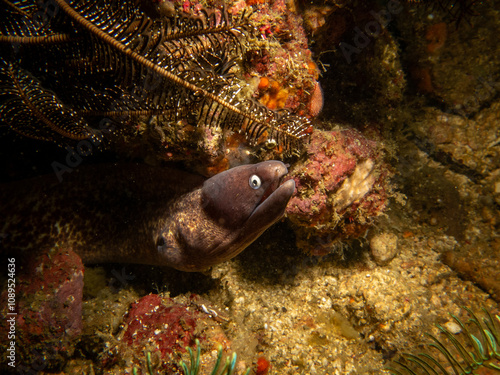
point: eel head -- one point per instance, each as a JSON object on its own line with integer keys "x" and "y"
{"x": 227, "y": 214}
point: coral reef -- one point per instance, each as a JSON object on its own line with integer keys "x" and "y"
{"x": 341, "y": 187}
{"x": 167, "y": 329}
{"x": 423, "y": 93}
{"x": 277, "y": 69}
{"x": 281, "y": 65}
{"x": 456, "y": 190}
{"x": 176, "y": 104}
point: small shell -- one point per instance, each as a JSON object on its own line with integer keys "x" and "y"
{"x": 315, "y": 104}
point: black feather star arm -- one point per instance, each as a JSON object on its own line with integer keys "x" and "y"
{"x": 120, "y": 60}
{"x": 176, "y": 51}
{"x": 29, "y": 109}
{"x": 25, "y": 22}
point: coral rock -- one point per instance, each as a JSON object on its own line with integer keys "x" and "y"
{"x": 436, "y": 37}
{"x": 383, "y": 247}
{"x": 341, "y": 187}
{"x": 165, "y": 328}
{"x": 49, "y": 309}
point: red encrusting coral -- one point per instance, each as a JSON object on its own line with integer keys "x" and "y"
{"x": 167, "y": 328}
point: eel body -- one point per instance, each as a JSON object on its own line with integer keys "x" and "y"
{"x": 140, "y": 214}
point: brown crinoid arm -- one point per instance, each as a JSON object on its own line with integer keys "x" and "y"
{"x": 188, "y": 55}
{"x": 35, "y": 112}
{"x": 91, "y": 59}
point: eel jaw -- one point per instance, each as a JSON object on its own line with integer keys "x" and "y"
{"x": 272, "y": 206}
{"x": 273, "y": 187}
{"x": 264, "y": 215}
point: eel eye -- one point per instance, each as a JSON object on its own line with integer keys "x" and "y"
{"x": 254, "y": 182}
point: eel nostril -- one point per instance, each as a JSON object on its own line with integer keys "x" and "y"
{"x": 160, "y": 242}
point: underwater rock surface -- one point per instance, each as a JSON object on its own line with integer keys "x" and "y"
{"x": 48, "y": 310}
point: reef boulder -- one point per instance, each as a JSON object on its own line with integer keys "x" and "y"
{"x": 342, "y": 185}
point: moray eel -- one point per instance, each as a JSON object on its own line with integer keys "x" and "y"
{"x": 140, "y": 214}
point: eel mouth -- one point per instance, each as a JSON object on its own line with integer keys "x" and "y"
{"x": 276, "y": 185}
{"x": 273, "y": 204}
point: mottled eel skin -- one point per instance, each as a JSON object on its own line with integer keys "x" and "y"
{"x": 140, "y": 214}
